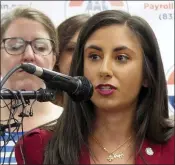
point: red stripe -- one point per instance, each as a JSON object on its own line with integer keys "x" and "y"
{"x": 171, "y": 79}
{"x": 75, "y": 3}
{"x": 117, "y": 3}
{"x": 79, "y": 3}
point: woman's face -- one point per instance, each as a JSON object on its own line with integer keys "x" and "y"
{"x": 113, "y": 63}
{"x": 27, "y": 30}
{"x": 66, "y": 56}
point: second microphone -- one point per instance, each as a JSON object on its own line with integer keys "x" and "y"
{"x": 78, "y": 88}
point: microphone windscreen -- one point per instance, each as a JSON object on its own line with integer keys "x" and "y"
{"x": 84, "y": 92}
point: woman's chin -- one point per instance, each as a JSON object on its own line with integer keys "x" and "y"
{"x": 27, "y": 85}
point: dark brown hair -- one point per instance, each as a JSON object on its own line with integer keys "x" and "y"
{"x": 65, "y": 32}
{"x": 151, "y": 116}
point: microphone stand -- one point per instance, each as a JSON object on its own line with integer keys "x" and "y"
{"x": 41, "y": 95}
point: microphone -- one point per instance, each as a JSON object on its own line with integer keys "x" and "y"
{"x": 3, "y": 127}
{"x": 78, "y": 88}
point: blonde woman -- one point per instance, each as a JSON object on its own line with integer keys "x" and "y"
{"x": 28, "y": 35}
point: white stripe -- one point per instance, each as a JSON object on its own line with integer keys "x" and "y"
{"x": 11, "y": 163}
{"x": 10, "y": 143}
{"x": 170, "y": 90}
{"x": 7, "y": 154}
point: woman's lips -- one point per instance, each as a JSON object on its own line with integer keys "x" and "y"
{"x": 105, "y": 89}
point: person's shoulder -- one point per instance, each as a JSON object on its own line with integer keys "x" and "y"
{"x": 167, "y": 152}
{"x": 32, "y": 145}
{"x": 37, "y": 135}
{"x": 158, "y": 153}
{"x": 169, "y": 145}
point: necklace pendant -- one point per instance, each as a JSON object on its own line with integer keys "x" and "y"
{"x": 110, "y": 158}
{"x": 120, "y": 155}
{"x": 113, "y": 156}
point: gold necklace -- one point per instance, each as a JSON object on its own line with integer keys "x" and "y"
{"x": 112, "y": 155}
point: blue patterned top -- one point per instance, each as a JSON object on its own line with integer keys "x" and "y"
{"x": 7, "y": 151}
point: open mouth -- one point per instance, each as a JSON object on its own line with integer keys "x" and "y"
{"x": 105, "y": 89}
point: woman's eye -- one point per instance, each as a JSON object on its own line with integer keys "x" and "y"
{"x": 41, "y": 48}
{"x": 122, "y": 58}
{"x": 94, "y": 57}
{"x": 15, "y": 46}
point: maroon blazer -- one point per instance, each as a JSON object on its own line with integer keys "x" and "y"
{"x": 34, "y": 144}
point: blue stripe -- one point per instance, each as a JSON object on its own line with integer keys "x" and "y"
{"x": 172, "y": 101}
{"x": 15, "y": 136}
{"x": 13, "y": 160}
{"x": 7, "y": 148}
